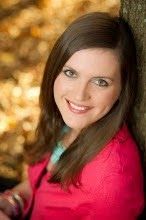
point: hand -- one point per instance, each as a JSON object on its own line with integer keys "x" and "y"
{"x": 3, "y": 216}
{"x": 6, "y": 208}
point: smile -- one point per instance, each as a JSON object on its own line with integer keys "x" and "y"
{"x": 77, "y": 108}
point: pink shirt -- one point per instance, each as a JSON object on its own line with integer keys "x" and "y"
{"x": 112, "y": 186}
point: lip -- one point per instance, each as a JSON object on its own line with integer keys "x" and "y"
{"x": 77, "y": 108}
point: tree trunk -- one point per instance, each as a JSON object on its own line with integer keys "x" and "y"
{"x": 135, "y": 13}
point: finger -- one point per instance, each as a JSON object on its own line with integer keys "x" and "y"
{"x": 3, "y": 216}
{"x": 2, "y": 203}
{"x": 6, "y": 206}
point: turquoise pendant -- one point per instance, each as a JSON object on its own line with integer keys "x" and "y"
{"x": 59, "y": 149}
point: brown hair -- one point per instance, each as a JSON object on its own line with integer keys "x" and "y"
{"x": 93, "y": 30}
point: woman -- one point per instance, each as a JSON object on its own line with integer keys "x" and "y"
{"x": 84, "y": 163}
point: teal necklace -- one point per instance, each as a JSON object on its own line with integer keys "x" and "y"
{"x": 59, "y": 149}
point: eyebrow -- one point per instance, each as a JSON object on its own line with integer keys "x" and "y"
{"x": 71, "y": 68}
{"x": 95, "y": 77}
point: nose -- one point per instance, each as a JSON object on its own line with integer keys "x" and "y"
{"x": 82, "y": 92}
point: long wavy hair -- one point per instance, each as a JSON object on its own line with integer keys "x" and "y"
{"x": 93, "y": 30}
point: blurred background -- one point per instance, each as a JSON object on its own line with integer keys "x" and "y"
{"x": 28, "y": 30}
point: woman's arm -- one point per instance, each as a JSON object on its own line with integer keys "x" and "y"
{"x": 3, "y": 216}
{"x": 24, "y": 189}
{"x": 12, "y": 201}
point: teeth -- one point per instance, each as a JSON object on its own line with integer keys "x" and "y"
{"x": 78, "y": 107}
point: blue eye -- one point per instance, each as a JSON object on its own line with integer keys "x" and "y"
{"x": 101, "y": 83}
{"x": 69, "y": 73}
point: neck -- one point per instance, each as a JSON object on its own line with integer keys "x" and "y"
{"x": 69, "y": 137}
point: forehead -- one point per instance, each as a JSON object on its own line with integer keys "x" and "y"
{"x": 95, "y": 60}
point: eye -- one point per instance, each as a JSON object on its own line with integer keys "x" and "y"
{"x": 101, "y": 82}
{"x": 69, "y": 73}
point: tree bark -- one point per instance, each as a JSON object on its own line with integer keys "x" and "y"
{"x": 135, "y": 13}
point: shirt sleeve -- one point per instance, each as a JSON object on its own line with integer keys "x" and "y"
{"x": 120, "y": 194}
{"x": 35, "y": 172}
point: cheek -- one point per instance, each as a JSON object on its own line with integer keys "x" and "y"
{"x": 56, "y": 90}
{"x": 57, "y": 84}
{"x": 111, "y": 99}
{"x": 105, "y": 103}
{"x": 108, "y": 98}
{"x": 61, "y": 86}
{"x": 58, "y": 87}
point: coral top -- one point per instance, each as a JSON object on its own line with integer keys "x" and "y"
{"x": 112, "y": 187}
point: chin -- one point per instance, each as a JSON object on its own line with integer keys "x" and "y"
{"x": 75, "y": 126}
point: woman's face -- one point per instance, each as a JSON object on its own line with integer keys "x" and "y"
{"x": 87, "y": 87}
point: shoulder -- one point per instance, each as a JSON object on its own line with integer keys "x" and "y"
{"x": 121, "y": 152}
{"x": 115, "y": 178}
{"x": 119, "y": 158}
{"x": 124, "y": 152}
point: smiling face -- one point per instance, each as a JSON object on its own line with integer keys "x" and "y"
{"x": 87, "y": 87}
